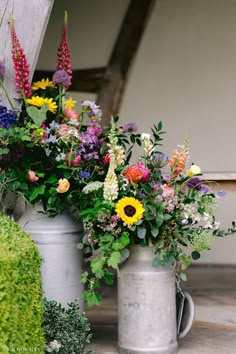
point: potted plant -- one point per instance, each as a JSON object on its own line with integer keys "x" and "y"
{"x": 48, "y": 152}
{"x": 158, "y": 213}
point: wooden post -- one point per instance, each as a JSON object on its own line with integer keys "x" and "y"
{"x": 31, "y": 19}
{"x": 127, "y": 42}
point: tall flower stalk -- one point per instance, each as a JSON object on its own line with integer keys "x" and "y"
{"x": 21, "y": 66}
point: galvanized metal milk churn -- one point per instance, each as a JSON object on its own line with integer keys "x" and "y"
{"x": 62, "y": 264}
{"x": 146, "y": 306}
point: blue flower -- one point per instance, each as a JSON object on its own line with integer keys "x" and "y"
{"x": 7, "y": 117}
{"x": 84, "y": 174}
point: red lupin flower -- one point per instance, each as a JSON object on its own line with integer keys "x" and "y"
{"x": 21, "y": 65}
{"x": 63, "y": 51}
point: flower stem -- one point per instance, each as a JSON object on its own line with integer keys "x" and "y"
{"x": 6, "y": 94}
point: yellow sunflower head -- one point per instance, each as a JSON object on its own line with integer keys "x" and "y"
{"x": 43, "y": 84}
{"x": 130, "y": 210}
{"x": 39, "y": 101}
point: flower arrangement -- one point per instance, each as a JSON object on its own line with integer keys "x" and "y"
{"x": 154, "y": 201}
{"x": 48, "y": 150}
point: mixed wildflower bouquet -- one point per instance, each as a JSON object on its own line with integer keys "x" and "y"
{"x": 48, "y": 150}
{"x": 154, "y": 201}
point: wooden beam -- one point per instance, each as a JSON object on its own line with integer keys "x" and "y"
{"x": 129, "y": 37}
{"x": 31, "y": 18}
{"x": 84, "y": 80}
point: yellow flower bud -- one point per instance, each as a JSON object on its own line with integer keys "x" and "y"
{"x": 63, "y": 185}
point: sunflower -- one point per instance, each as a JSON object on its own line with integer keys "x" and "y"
{"x": 130, "y": 210}
{"x": 43, "y": 84}
{"x": 39, "y": 101}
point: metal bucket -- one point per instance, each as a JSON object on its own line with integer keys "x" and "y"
{"x": 62, "y": 264}
{"x": 146, "y": 306}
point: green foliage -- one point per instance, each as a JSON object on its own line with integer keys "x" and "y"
{"x": 21, "y": 307}
{"x": 66, "y": 329}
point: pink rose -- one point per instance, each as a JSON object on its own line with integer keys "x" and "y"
{"x": 137, "y": 172}
{"x": 32, "y": 176}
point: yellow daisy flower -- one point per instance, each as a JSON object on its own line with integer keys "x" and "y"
{"x": 70, "y": 103}
{"x": 43, "y": 84}
{"x": 39, "y": 101}
{"x": 130, "y": 210}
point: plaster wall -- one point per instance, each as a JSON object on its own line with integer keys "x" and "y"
{"x": 184, "y": 74}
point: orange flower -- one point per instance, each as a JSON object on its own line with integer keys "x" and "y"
{"x": 137, "y": 172}
{"x": 63, "y": 185}
{"x": 178, "y": 160}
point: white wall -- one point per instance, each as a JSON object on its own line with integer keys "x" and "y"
{"x": 184, "y": 74}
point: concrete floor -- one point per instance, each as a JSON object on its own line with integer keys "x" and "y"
{"x": 213, "y": 289}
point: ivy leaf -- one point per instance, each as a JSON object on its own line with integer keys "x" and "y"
{"x": 38, "y": 115}
{"x": 114, "y": 260}
{"x": 52, "y": 179}
{"x": 36, "y": 192}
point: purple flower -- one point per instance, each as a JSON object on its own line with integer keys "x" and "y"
{"x": 60, "y": 77}
{"x": 84, "y": 174}
{"x": 159, "y": 159}
{"x": 93, "y": 109}
{"x": 195, "y": 183}
{"x": 2, "y": 70}
{"x": 7, "y": 117}
{"x": 130, "y": 128}
{"x": 220, "y": 194}
{"x": 204, "y": 189}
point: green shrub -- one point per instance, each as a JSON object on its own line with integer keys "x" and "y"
{"x": 21, "y": 307}
{"x": 66, "y": 329}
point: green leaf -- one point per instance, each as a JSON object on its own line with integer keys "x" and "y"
{"x": 36, "y": 192}
{"x": 92, "y": 298}
{"x": 108, "y": 277}
{"x": 4, "y": 151}
{"x": 124, "y": 254}
{"x": 141, "y": 232}
{"x": 185, "y": 262}
{"x": 183, "y": 276}
{"x": 195, "y": 255}
{"x": 167, "y": 216}
{"x": 155, "y": 262}
{"x": 52, "y": 179}
{"x": 97, "y": 267}
{"x": 114, "y": 260}
{"x": 84, "y": 277}
{"x": 154, "y": 231}
{"x": 38, "y": 115}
